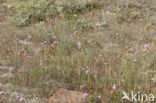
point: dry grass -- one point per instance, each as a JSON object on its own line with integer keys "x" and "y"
{"x": 126, "y": 27}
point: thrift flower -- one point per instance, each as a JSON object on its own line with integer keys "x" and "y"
{"x": 28, "y": 57}
{"x": 85, "y": 95}
{"x": 100, "y": 56}
{"x": 1, "y": 68}
{"x": 56, "y": 43}
{"x": 22, "y": 99}
{"x": 114, "y": 87}
{"x": 29, "y": 37}
{"x": 153, "y": 80}
{"x": 11, "y": 69}
{"x": 145, "y": 46}
{"x": 79, "y": 45}
{"x": 135, "y": 61}
{"x": 2, "y": 92}
{"x": 54, "y": 37}
{"x": 99, "y": 96}
{"x": 87, "y": 71}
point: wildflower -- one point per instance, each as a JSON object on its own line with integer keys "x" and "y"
{"x": 135, "y": 61}
{"x": 141, "y": 20}
{"x": 28, "y": 57}
{"x": 117, "y": 34}
{"x": 82, "y": 86}
{"x": 87, "y": 71}
{"x": 153, "y": 80}
{"x": 90, "y": 0}
{"x": 75, "y": 15}
{"x": 56, "y": 43}
{"x": 145, "y": 46}
{"x": 100, "y": 56}
{"x": 1, "y": 68}
{"x": 114, "y": 87}
{"x": 2, "y": 92}
{"x": 22, "y": 99}
{"x": 94, "y": 43}
{"x": 83, "y": 68}
{"x": 11, "y": 69}
{"x": 29, "y": 37}
{"x": 79, "y": 45}
{"x": 17, "y": 97}
{"x": 41, "y": 64}
{"x": 74, "y": 28}
{"x": 99, "y": 96}
{"x": 97, "y": 24}
{"x": 75, "y": 32}
{"x": 54, "y": 37}
{"x": 118, "y": 56}
{"x": 85, "y": 95}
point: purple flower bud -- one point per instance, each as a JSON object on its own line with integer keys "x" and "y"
{"x": 54, "y": 37}
{"x": 87, "y": 71}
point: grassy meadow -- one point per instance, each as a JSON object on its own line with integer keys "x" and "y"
{"x": 99, "y": 47}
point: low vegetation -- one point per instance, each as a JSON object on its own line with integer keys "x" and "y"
{"x": 101, "y": 48}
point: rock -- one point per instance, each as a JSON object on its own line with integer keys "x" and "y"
{"x": 67, "y": 96}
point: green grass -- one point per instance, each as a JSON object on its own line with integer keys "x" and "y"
{"x": 52, "y": 66}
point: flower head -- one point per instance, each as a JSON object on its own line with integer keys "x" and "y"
{"x": 85, "y": 95}
{"x": 100, "y": 56}
{"x": 54, "y": 37}
{"x": 56, "y": 43}
{"x": 79, "y": 45}
{"x": 145, "y": 46}
{"x": 99, "y": 96}
{"x": 11, "y": 69}
{"x": 2, "y": 92}
{"x": 114, "y": 87}
{"x": 1, "y": 68}
{"x": 87, "y": 71}
{"x": 28, "y": 57}
{"x": 22, "y": 99}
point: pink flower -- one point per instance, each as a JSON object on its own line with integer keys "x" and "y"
{"x": 11, "y": 69}
{"x": 100, "y": 56}
{"x": 29, "y": 37}
{"x": 99, "y": 96}
{"x": 94, "y": 43}
{"x": 97, "y": 24}
{"x": 135, "y": 61}
{"x": 28, "y": 57}
{"x": 87, "y": 71}
{"x": 83, "y": 68}
{"x": 17, "y": 97}
{"x": 75, "y": 32}
{"x": 141, "y": 20}
{"x": 22, "y": 99}
{"x": 54, "y": 37}
{"x": 153, "y": 80}
{"x": 79, "y": 45}
{"x": 56, "y": 43}
{"x": 114, "y": 87}
{"x": 1, "y": 68}
{"x": 118, "y": 56}
{"x": 2, "y": 92}
{"x": 145, "y": 46}
{"x": 85, "y": 95}
{"x": 117, "y": 34}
